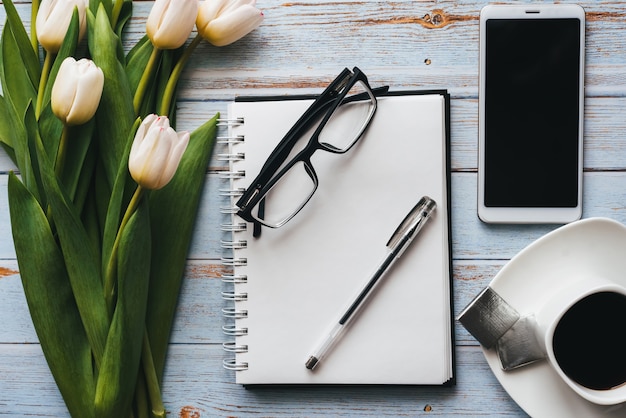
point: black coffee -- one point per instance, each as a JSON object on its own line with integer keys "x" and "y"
{"x": 590, "y": 341}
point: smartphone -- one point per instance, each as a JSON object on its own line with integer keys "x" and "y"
{"x": 531, "y": 99}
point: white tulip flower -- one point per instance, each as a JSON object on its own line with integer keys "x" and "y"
{"x": 222, "y": 22}
{"x": 156, "y": 152}
{"x": 53, "y": 20}
{"x": 170, "y": 22}
{"x": 77, "y": 91}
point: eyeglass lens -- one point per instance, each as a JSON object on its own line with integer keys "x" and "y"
{"x": 348, "y": 122}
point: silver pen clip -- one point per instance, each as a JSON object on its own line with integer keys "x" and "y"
{"x": 413, "y": 221}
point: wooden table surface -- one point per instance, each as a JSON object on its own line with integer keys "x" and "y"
{"x": 299, "y": 48}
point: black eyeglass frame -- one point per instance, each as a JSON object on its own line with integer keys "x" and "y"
{"x": 271, "y": 172}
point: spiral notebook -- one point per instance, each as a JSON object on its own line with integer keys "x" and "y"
{"x": 288, "y": 287}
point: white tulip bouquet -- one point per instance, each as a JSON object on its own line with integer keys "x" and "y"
{"x": 106, "y": 194}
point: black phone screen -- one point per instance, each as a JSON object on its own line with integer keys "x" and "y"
{"x": 532, "y": 112}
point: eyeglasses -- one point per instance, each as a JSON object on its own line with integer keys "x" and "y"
{"x": 334, "y": 122}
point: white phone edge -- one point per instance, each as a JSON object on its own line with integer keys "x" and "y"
{"x": 531, "y": 215}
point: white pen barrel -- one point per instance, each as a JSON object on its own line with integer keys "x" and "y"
{"x": 328, "y": 343}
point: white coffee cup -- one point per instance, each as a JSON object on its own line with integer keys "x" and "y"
{"x": 566, "y": 302}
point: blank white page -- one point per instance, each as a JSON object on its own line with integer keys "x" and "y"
{"x": 303, "y": 276}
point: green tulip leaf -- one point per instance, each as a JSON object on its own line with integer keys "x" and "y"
{"x": 115, "y": 115}
{"x": 80, "y": 160}
{"x": 84, "y": 182}
{"x": 80, "y": 259}
{"x": 68, "y": 48}
{"x": 125, "y": 15}
{"x": 6, "y": 130}
{"x": 171, "y": 240}
{"x": 51, "y": 301}
{"x": 119, "y": 197}
{"x": 106, "y": 4}
{"x": 27, "y": 54}
{"x": 16, "y": 84}
{"x": 169, "y": 61}
{"x": 50, "y": 130}
{"x": 21, "y": 150}
{"x": 34, "y": 184}
{"x": 76, "y": 167}
{"x": 120, "y": 366}
{"x": 137, "y": 60}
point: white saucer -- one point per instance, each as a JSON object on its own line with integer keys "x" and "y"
{"x": 590, "y": 247}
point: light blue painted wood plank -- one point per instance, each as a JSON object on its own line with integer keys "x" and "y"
{"x": 199, "y": 317}
{"x": 196, "y": 383}
{"x": 604, "y": 195}
{"x": 392, "y": 43}
{"x": 304, "y": 44}
{"x": 604, "y": 136}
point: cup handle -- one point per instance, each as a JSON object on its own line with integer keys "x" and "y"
{"x": 496, "y": 324}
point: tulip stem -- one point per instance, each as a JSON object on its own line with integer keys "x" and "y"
{"x": 170, "y": 88}
{"x": 111, "y": 274}
{"x": 61, "y": 152}
{"x": 45, "y": 72}
{"x": 145, "y": 79}
{"x": 154, "y": 391}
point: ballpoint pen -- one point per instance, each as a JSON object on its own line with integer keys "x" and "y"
{"x": 400, "y": 240}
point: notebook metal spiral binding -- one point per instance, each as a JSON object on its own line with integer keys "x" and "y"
{"x": 231, "y": 364}
{"x": 233, "y": 312}
{"x": 234, "y": 278}
{"x": 236, "y": 297}
{"x": 234, "y": 331}
{"x": 234, "y": 245}
{"x": 226, "y": 140}
{"x": 234, "y": 348}
{"x": 238, "y": 156}
{"x": 230, "y": 122}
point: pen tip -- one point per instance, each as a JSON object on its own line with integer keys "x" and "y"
{"x": 311, "y": 362}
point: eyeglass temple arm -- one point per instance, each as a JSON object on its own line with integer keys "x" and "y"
{"x": 325, "y": 99}
{"x": 283, "y": 149}
{"x": 285, "y": 146}
{"x": 378, "y": 91}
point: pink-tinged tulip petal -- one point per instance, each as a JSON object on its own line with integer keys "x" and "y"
{"x": 156, "y": 152}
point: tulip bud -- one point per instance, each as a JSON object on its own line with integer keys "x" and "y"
{"x": 170, "y": 22}
{"x": 222, "y": 22}
{"x": 53, "y": 20}
{"x": 156, "y": 152}
{"x": 76, "y": 91}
